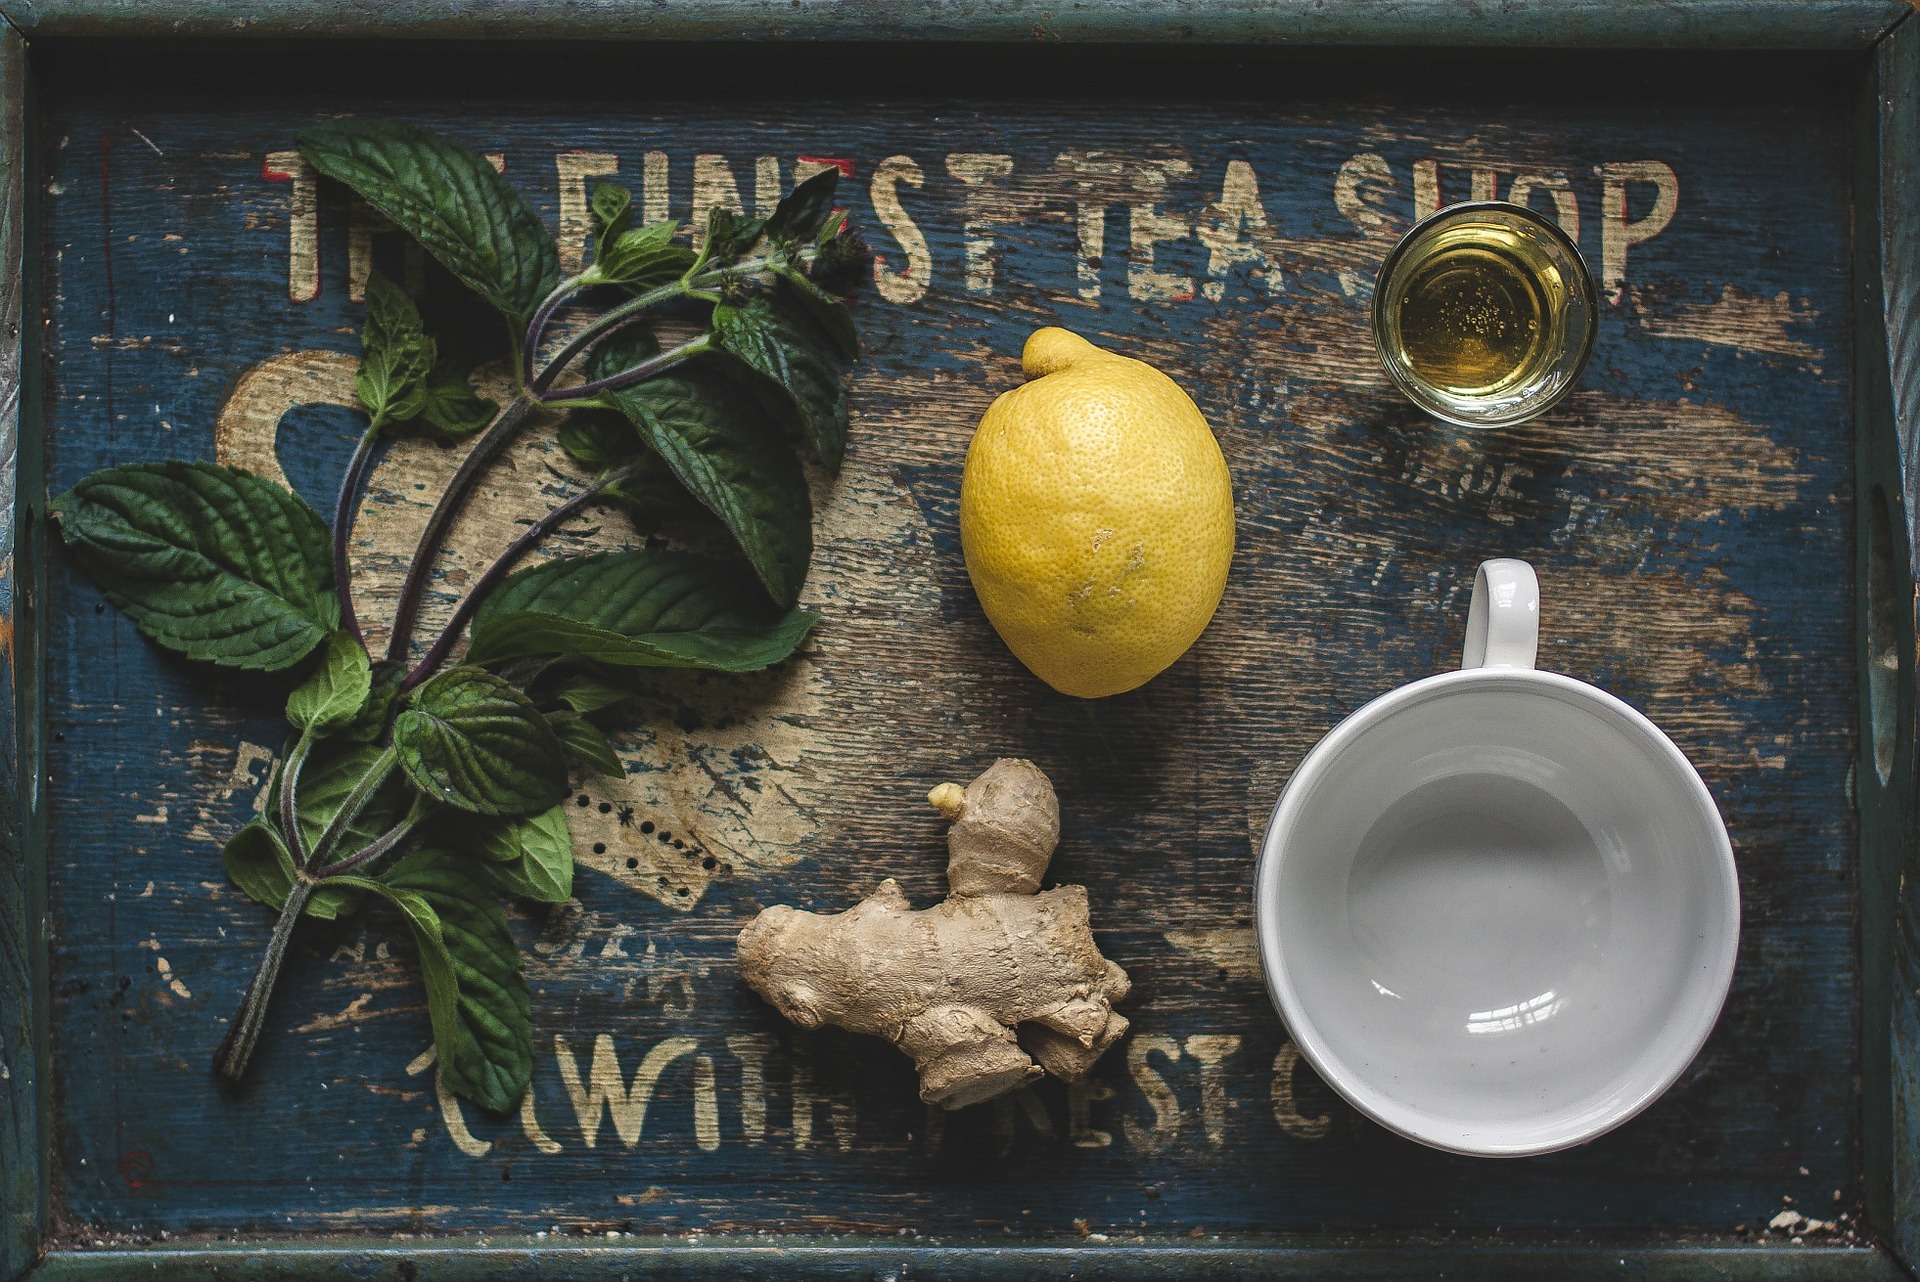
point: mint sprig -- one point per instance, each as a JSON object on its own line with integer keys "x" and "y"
{"x": 436, "y": 789}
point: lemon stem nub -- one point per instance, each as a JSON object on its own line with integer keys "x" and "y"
{"x": 1051, "y": 350}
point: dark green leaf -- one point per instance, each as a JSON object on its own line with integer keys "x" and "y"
{"x": 652, "y": 493}
{"x": 599, "y": 440}
{"x": 258, "y": 862}
{"x": 336, "y": 691}
{"x": 384, "y": 684}
{"x": 829, "y": 313}
{"x": 450, "y": 404}
{"x": 804, "y": 210}
{"x": 210, "y": 561}
{"x": 332, "y": 770}
{"x": 643, "y": 257}
{"x": 469, "y": 739}
{"x": 729, "y": 235}
{"x": 621, "y": 350}
{"x": 395, "y": 354}
{"x": 587, "y": 746}
{"x": 532, "y": 858}
{"x": 612, "y": 207}
{"x": 521, "y": 674}
{"x": 775, "y": 338}
{"x": 449, "y": 199}
{"x": 643, "y": 608}
{"x": 476, "y": 993}
{"x": 588, "y": 691}
{"x": 713, "y": 435}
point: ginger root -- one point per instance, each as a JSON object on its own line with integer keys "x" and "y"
{"x": 978, "y": 987}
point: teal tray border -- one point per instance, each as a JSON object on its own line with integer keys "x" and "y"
{"x": 1887, "y": 377}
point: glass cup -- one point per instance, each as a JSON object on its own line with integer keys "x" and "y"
{"x": 1484, "y": 314}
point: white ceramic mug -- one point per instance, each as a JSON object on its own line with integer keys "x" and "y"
{"x": 1497, "y": 907}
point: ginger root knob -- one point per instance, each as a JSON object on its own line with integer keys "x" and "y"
{"x": 1008, "y": 823}
{"x": 976, "y": 988}
{"x": 949, "y": 799}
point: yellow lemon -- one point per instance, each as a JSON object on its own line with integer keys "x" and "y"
{"x": 1096, "y": 514}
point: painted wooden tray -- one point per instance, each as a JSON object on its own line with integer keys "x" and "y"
{"x": 1717, "y": 516}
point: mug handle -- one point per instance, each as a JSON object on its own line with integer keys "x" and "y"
{"x": 1503, "y": 623}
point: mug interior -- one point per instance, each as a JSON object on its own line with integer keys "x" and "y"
{"x": 1498, "y": 910}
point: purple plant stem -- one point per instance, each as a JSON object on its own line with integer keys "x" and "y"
{"x": 437, "y": 653}
{"x": 343, "y": 512}
{"x": 407, "y": 612}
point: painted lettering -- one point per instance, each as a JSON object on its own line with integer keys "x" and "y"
{"x": 985, "y": 208}
{"x": 752, "y": 1050}
{"x": 571, "y": 170}
{"x": 713, "y": 188}
{"x": 807, "y": 1095}
{"x": 1235, "y": 231}
{"x": 303, "y": 222}
{"x": 1160, "y": 1097}
{"x": 1286, "y": 1111}
{"x": 1361, "y": 191}
{"x": 606, "y": 1093}
{"x": 1617, "y": 234}
{"x": 910, "y": 285}
{"x": 1149, "y": 228}
{"x": 1566, "y": 208}
{"x": 654, "y": 197}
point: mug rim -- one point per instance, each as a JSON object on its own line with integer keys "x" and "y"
{"x": 1280, "y": 990}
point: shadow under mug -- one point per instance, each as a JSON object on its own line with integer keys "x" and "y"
{"x": 1497, "y": 907}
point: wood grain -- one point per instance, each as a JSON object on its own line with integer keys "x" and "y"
{"x": 1689, "y": 510}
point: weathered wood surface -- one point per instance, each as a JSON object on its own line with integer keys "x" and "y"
{"x": 1653, "y": 24}
{"x": 975, "y": 1260}
{"x": 23, "y": 1004}
{"x": 1690, "y": 510}
{"x": 1890, "y": 921}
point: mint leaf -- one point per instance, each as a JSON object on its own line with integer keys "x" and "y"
{"x": 395, "y": 354}
{"x": 449, "y": 199}
{"x": 643, "y": 257}
{"x": 471, "y": 740}
{"x": 533, "y": 857}
{"x": 584, "y": 691}
{"x": 337, "y": 690}
{"x": 828, "y": 312}
{"x": 332, "y": 770}
{"x": 449, "y": 403}
{"x": 597, "y": 440}
{"x": 620, "y": 350}
{"x": 803, "y": 211}
{"x": 383, "y": 684}
{"x": 476, "y": 993}
{"x": 258, "y": 862}
{"x": 612, "y": 207}
{"x": 643, "y": 608}
{"x": 209, "y": 561}
{"x": 587, "y": 745}
{"x": 711, "y": 432}
{"x": 774, "y": 338}
{"x": 728, "y": 235}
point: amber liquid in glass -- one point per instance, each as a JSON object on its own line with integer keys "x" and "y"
{"x": 1482, "y": 313}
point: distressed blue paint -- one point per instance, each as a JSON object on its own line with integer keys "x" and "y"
{"x": 1155, "y": 812}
